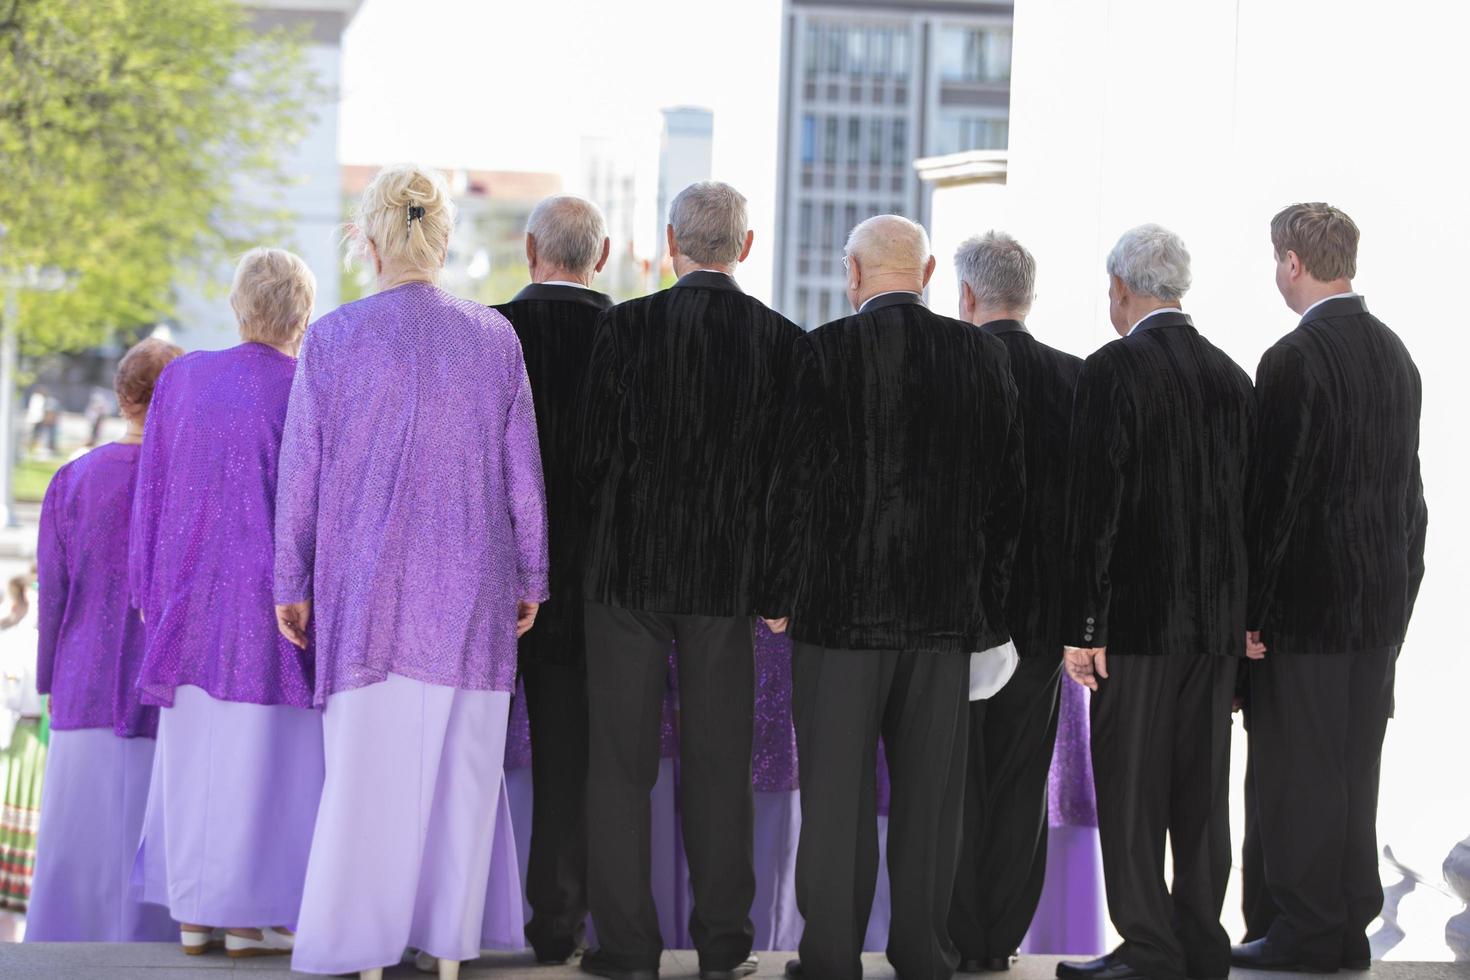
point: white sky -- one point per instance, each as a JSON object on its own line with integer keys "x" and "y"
{"x": 499, "y": 85}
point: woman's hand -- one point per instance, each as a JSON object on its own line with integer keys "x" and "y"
{"x": 293, "y": 618}
{"x": 525, "y": 617}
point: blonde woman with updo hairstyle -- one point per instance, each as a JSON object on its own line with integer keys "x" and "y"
{"x": 410, "y": 470}
{"x": 90, "y": 646}
{"x": 239, "y": 768}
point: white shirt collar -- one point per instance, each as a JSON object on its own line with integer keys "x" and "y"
{"x": 563, "y": 282}
{"x": 906, "y": 292}
{"x": 1162, "y": 309}
{"x": 1327, "y": 299}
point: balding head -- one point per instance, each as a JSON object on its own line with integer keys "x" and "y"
{"x": 887, "y": 253}
{"x": 566, "y": 239}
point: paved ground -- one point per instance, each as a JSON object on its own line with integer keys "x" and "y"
{"x": 95, "y": 961}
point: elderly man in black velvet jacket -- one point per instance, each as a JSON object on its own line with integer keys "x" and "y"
{"x": 1155, "y": 546}
{"x": 1003, "y": 858}
{"x": 566, "y": 246}
{"x": 894, "y": 512}
{"x": 1337, "y": 525}
{"x": 680, "y": 422}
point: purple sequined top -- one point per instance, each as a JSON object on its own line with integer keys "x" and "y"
{"x": 411, "y": 509}
{"x": 91, "y": 641}
{"x": 773, "y": 759}
{"x": 200, "y": 556}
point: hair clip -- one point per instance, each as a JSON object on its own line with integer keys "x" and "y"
{"x": 415, "y": 211}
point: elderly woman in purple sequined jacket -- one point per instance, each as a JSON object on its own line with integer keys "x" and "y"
{"x": 238, "y": 767}
{"x": 411, "y": 470}
{"x": 90, "y": 645}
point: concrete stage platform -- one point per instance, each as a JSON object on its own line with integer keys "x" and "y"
{"x": 119, "y": 961}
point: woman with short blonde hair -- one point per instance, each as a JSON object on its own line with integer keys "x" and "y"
{"x": 410, "y": 469}
{"x": 239, "y": 768}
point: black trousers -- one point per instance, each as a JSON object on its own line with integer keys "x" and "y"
{"x": 556, "y": 872}
{"x": 842, "y": 701}
{"x": 1003, "y": 852}
{"x": 1161, "y": 766}
{"x": 1317, "y": 730}
{"x": 1255, "y": 898}
{"x": 627, "y": 667}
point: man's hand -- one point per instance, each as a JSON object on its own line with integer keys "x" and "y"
{"x": 1086, "y": 664}
{"x": 526, "y": 617}
{"x": 777, "y": 625}
{"x": 1254, "y": 648}
{"x": 293, "y": 618}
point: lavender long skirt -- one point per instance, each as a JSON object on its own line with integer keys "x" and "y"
{"x": 414, "y": 845}
{"x": 92, "y": 805}
{"x": 230, "y": 811}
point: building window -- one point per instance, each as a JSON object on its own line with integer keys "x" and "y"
{"x": 808, "y": 139}
{"x": 828, "y": 218}
{"x": 854, "y": 140}
{"x": 900, "y": 141}
{"x": 836, "y": 49}
{"x": 804, "y": 225}
{"x": 801, "y": 305}
{"x": 875, "y": 141}
{"x": 973, "y": 54}
{"x": 901, "y": 58}
{"x": 829, "y": 141}
{"x": 958, "y": 132}
{"x": 813, "y": 49}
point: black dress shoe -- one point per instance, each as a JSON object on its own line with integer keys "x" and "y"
{"x": 744, "y": 968}
{"x": 988, "y": 964}
{"x": 793, "y": 968}
{"x": 1109, "y": 967}
{"x": 1072, "y": 969}
{"x": 596, "y": 962}
{"x": 1260, "y": 955}
{"x": 559, "y": 955}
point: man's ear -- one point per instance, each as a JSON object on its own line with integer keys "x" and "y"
{"x": 929, "y": 270}
{"x": 749, "y": 241}
{"x": 673, "y": 248}
{"x": 606, "y": 251}
{"x": 967, "y": 300}
{"x": 531, "y": 250}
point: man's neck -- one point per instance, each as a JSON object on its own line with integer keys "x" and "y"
{"x": 1313, "y": 291}
{"x": 989, "y": 314}
{"x": 541, "y": 274}
{"x": 682, "y": 268}
{"x": 878, "y": 285}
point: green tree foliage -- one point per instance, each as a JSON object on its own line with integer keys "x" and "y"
{"x": 128, "y": 129}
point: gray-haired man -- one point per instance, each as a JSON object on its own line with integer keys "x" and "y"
{"x": 1154, "y": 609}
{"x": 1003, "y": 855}
{"x": 566, "y": 246}
{"x": 680, "y": 416}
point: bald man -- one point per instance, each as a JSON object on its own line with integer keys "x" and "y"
{"x": 892, "y": 522}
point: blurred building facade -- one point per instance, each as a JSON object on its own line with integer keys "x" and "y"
{"x": 314, "y": 198}
{"x": 685, "y": 155}
{"x": 608, "y": 177}
{"x": 867, "y": 87}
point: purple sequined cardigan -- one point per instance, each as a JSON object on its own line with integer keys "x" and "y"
{"x": 90, "y": 643}
{"x": 200, "y": 554}
{"x": 411, "y": 509}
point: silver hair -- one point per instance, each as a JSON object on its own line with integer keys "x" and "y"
{"x": 891, "y": 243}
{"x": 1151, "y": 260}
{"x": 569, "y": 232}
{"x": 710, "y": 222}
{"x": 998, "y": 269}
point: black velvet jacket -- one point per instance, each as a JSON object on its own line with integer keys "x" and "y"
{"x": 1161, "y": 431}
{"x": 555, "y": 324}
{"x": 897, "y": 495}
{"x": 1045, "y": 379}
{"x": 683, "y": 399}
{"x": 1337, "y": 514}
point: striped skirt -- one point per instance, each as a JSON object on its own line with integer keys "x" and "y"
{"x": 22, "y": 767}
